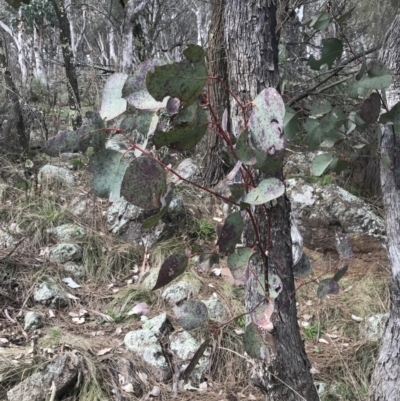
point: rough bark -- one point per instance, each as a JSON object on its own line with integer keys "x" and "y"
{"x": 12, "y": 94}
{"x": 69, "y": 61}
{"x": 385, "y": 383}
{"x": 252, "y": 57}
{"x": 214, "y": 166}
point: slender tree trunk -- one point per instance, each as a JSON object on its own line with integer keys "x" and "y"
{"x": 132, "y": 9}
{"x": 69, "y": 61}
{"x": 39, "y": 71}
{"x": 12, "y": 94}
{"x": 252, "y": 59}
{"x": 385, "y": 383}
{"x": 214, "y": 166}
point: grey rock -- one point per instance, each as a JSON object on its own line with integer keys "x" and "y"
{"x": 183, "y": 345}
{"x": 32, "y": 321}
{"x": 216, "y": 309}
{"x": 179, "y": 291}
{"x": 145, "y": 343}
{"x": 63, "y": 371}
{"x": 176, "y": 210}
{"x": 188, "y": 169}
{"x": 120, "y": 213}
{"x": 74, "y": 269}
{"x": 318, "y": 210}
{"x": 67, "y": 232}
{"x": 78, "y": 207}
{"x": 299, "y": 164}
{"x": 52, "y": 174}
{"x": 372, "y": 328}
{"x": 150, "y": 279}
{"x": 70, "y": 155}
{"x": 50, "y": 294}
{"x": 65, "y": 252}
{"x": 134, "y": 233}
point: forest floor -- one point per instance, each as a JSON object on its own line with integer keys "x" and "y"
{"x": 96, "y": 320}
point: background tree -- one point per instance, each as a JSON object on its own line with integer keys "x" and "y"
{"x": 385, "y": 383}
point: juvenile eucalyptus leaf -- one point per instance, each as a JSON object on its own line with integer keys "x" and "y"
{"x": 135, "y": 91}
{"x": 267, "y": 190}
{"x": 230, "y": 233}
{"x": 290, "y": 122}
{"x": 191, "y": 314}
{"x": 196, "y": 357}
{"x": 266, "y": 122}
{"x": 332, "y": 138}
{"x": 321, "y": 163}
{"x": 185, "y": 131}
{"x": 275, "y": 285}
{"x": 206, "y": 261}
{"x": 108, "y": 168}
{"x": 392, "y": 116}
{"x": 79, "y": 140}
{"x": 172, "y": 106}
{"x": 314, "y": 133}
{"x": 371, "y": 108}
{"x": 144, "y": 183}
{"x": 379, "y": 82}
{"x": 303, "y": 267}
{"x": 165, "y": 199}
{"x": 184, "y": 80}
{"x": 238, "y": 263}
{"x": 137, "y": 119}
{"x": 112, "y": 103}
{"x": 330, "y": 285}
{"x": 320, "y": 21}
{"x": 332, "y": 49}
{"x": 243, "y": 150}
{"x": 255, "y": 343}
{"x": 172, "y": 268}
{"x": 338, "y": 165}
{"x": 363, "y": 69}
{"x": 345, "y": 16}
{"x": 320, "y": 107}
{"x": 326, "y": 287}
{"x": 340, "y": 273}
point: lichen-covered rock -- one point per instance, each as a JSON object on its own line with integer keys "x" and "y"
{"x": 62, "y": 371}
{"x": 150, "y": 279}
{"x": 372, "y": 328}
{"x": 321, "y": 210}
{"x": 65, "y": 252}
{"x": 50, "y": 294}
{"x": 216, "y": 309}
{"x": 146, "y": 344}
{"x": 49, "y": 174}
{"x": 67, "y": 232}
{"x": 188, "y": 169}
{"x": 120, "y": 213}
{"x": 183, "y": 345}
{"x": 78, "y": 207}
{"x": 32, "y": 321}
{"x": 180, "y": 290}
{"x": 74, "y": 269}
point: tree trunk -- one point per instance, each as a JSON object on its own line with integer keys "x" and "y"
{"x": 385, "y": 383}
{"x": 39, "y": 71}
{"x": 12, "y": 94}
{"x": 214, "y": 166}
{"x": 131, "y": 11}
{"x": 69, "y": 61}
{"x": 252, "y": 57}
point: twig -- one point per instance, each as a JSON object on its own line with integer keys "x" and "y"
{"x": 13, "y": 250}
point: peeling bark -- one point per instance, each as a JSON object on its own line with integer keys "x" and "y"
{"x": 385, "y": 383}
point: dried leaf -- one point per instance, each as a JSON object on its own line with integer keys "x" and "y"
{"x": 104, "y": 351}
{"x": 70, "y": 282}
{"x": 142, "y": 308}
